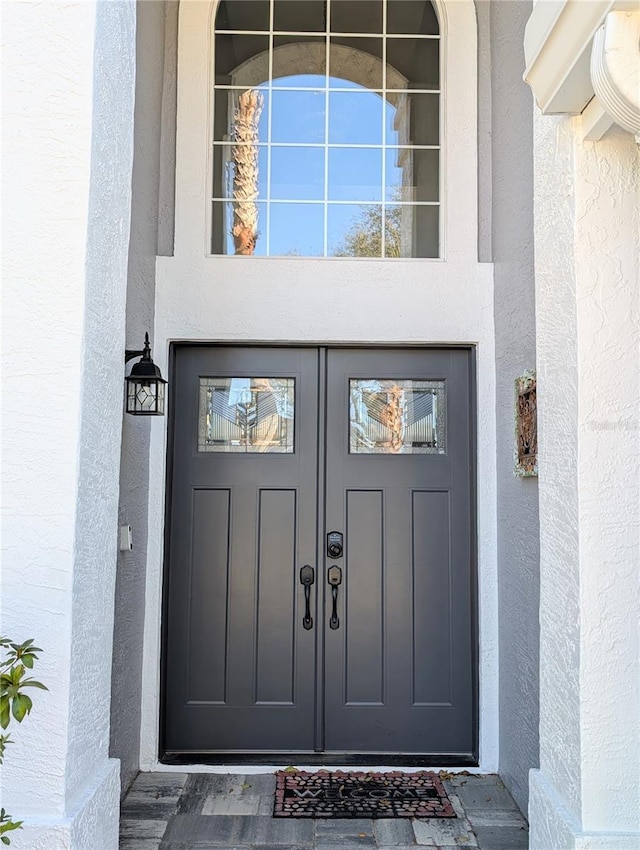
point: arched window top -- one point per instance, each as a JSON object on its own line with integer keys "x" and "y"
{"x": 347, "y": 16}
{"x": 326, "y": 128}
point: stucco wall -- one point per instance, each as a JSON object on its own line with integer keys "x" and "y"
{"x": 68, "y": 111}
{"x": 587, "y": 261}
{"x": 558, "y": 392}
{"x": 155, "y": 22}
{"x": 341, "y": 300}
{"x": 485, "y": 194}
{"x": 608, "y": 313}
{"x": 157, "y": 82}
{"x": 514, "y": 316}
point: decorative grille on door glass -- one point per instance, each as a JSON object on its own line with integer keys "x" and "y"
{"x": 397, "y": 416}
{"x": 246, "y": 415}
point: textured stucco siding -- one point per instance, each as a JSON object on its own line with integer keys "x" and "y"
{"x": 102, "y": 393}
{"x": 485, "y": 193}
{"x": 68, "y": 101}
{"x": 46, "y": 162}
{"x": 588, "y": 333}
{"x": 608, "y": 310}
{"x": 154, "y": 17}
{"x": 514, "y": 298}
{"x": 558, "y": 393}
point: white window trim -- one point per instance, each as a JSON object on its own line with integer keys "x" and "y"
{"x": 194, "y": 136}
{"x": 256, "y": 73}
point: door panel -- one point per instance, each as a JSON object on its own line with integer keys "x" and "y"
{"x": 399, "y": 670}
{"x": 363, "y": 598}
{"x": 382, "y": 439}
{"x": 208, "y": 604}
{"x": 432, "y": 602}
{"x": 240, "y": 668}
{"x": 276, "y": 597}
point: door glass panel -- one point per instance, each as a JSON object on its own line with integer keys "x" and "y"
{"x": 397, "y": 416}
{"x": 246, "y": 415}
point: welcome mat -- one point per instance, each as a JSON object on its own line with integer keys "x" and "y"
{"x": 340, "y": 794}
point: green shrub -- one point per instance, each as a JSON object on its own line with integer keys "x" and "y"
{"x": 15, "y": 660}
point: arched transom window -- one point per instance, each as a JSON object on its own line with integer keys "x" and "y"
{"x": 326, "y": 128}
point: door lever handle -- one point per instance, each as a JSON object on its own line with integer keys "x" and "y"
{"x": 307, "y": 578}
{"x": 334, "y": 577}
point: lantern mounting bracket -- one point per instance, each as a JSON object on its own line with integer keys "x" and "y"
{"x": 130, "y": 353}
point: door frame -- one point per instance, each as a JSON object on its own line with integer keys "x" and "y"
{"x": 168, "y": 757}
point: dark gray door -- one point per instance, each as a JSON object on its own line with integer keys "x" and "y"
{"x": 399, "y": 669}
{"x": 240, "y": 664}
{"x": 273, "y": 449}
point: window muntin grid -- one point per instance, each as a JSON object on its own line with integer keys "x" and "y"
{"x": 344, "y": 157}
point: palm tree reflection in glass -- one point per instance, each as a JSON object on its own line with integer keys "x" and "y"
{"x": 245, "y": 175}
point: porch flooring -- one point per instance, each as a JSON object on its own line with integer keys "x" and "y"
{"x": 204, "y": 811}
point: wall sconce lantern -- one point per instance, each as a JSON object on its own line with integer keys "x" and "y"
{"x": 145, "y": 385}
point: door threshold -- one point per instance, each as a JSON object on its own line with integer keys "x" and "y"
{"x": 337, "y": 759}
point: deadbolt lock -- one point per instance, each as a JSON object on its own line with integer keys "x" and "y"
{"x": 334, "y": 544}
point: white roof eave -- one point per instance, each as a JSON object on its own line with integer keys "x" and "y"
{"x": 557, "y": 46}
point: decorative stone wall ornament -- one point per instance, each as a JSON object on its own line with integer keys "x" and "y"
{"x": 526, "y": 451}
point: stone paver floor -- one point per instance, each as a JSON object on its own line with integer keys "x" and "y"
{"x": 204, "y": 811}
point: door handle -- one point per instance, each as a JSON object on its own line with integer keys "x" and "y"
{"x": 334, "y": 577}
{"x": 307, "y": 578}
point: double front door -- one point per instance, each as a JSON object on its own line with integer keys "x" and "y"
{"x": 320, "y": 582}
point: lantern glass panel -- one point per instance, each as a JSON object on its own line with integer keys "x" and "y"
{"x": 145, "y": 397}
